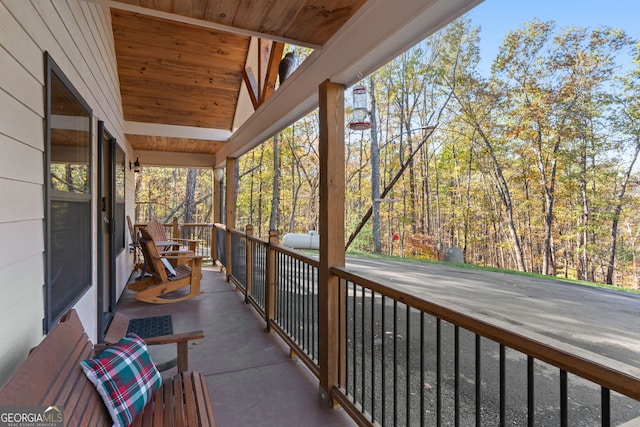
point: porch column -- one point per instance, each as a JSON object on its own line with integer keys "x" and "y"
{"x": 230, "y": 208}
{"x": 216, "y": 190}
{"x": 332, "y": 191}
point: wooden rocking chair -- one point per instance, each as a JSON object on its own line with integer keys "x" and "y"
{"x": 159, "y": 235}
{"x": 165, "y": 279}
{"x": 166, "y": 243}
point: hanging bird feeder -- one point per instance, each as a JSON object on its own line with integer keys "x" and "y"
{"x": 360, "y": 115}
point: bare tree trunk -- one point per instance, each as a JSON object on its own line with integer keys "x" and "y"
{"x": 189, "y": 196}
{"x": 251, "y": 184}
{"x": 375, "y": 170}
{"x": 505, "y": 196}
{"x": 616, "y": 217}
{"x": 295, "y": 190}
{"x": 386, "y": 191}
{"x": 584, "y": 219}
{"x": 275, "y": 195}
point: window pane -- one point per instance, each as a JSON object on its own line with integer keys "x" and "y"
{"x": 68, "y": 246}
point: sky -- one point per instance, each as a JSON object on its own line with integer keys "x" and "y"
{"x": 498, "y": 17}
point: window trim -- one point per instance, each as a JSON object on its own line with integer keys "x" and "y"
{"x": 51, "y": 318}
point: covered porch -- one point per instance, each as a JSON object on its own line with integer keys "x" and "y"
{"x": 252, "y": 378}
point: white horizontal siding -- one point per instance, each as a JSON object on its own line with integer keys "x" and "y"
{"x": 20, "y": 84}
{"x": 20, "y": 123}
{"x": 77, "y": 35}
{"x": 15, "y": 38}
{"x": 18, "y": 161}
{"x": 20, "y": 239}
{"x": 22, "y": 285}
{"x": 26, "y": 201}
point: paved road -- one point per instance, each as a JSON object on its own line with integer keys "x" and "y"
{"x": 599, "y": 320}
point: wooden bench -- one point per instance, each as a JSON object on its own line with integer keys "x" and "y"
{"x": 51, "y": 376}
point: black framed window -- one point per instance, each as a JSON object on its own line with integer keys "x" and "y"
{"x": 68, "y": 239}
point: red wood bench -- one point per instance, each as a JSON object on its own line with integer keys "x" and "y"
{"x": 51, "y": 376}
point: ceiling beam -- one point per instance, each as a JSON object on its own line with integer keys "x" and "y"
{"x": 175, "y": 131}
{"x": 269, "y": 84}
{"x": 198, "y": 22}
{"x": 173, "y": 159}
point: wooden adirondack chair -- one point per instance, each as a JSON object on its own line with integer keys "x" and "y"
{"x": 158, "y": 233}
{"x": 167, "y": 243}
{"x": 159, "y": 288}
{"x": 135, "y": 245}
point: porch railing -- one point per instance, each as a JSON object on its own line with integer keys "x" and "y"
{"x": 404, "y": 360}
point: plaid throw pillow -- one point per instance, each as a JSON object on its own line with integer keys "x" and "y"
{"x": 125, "y": 376}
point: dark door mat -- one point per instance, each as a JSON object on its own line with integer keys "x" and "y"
{"x": 146, "y": 327}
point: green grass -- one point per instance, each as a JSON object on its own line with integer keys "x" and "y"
{"x": 493, "y": 269}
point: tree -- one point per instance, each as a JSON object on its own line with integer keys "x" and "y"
{"x": 189, "y": 196}
{"x": 275, "y": 195}
{"x": 375, "y": 169}
{"x": 627, "y": 120}
{"x": 548, "y": 82}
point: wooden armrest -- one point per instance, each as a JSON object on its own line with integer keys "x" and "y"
{"x": 175, "y": 338}
{"x": 180, "y": 256}
{"x": 181, "y": 340}
{"x": 178, "y": 252}
{"x": 120, "y": 324}
{"x": 178, "y": 239}
{"x": 174, "y": 241}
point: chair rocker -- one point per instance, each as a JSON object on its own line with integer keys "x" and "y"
{"x": 158, "y": 288}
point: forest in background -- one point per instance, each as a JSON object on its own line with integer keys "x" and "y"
{"x": 531, "y": 168}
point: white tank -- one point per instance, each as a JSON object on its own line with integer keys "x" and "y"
{"x": 310, "y": 240}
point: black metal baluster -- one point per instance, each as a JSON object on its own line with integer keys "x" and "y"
{"x": 502, "y": 385}
{"x": 605, "y": 403}
{"x": 346, "y": 338}
{"x": 296, "y": 300}
{"x": 478, "y": 382}
{"x": 422, "y": 379}
{"x": 300, "y": 327}
{"x": 340, "y": 337}
{"x": 362, "y": 350}
{"x": 355, "y": 324}
{"x": 315, "y": 313}
{"x": 408, "y": 362}
{"x": 456, "y": 373}
{"x": 438, "y": 372}
{"x": 395, "y": 362}
{"x": 303, "y": 303}
{"x": 530, "y": 391}
{"x": 307, "y": 300}
{"x": 289, "y": 299}
{"x": 383, "y": 369}
{"x": 564, "y": 399}
{"x": 373, "y": 357}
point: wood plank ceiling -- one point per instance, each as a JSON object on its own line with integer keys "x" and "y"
{"x": 181, "y": 62}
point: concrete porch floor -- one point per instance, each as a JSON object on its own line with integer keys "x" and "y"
{"x": 252, "y": 380}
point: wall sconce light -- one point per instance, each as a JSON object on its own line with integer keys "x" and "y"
{"x": 136, "y": 166}
{"x": 218, "y": 174}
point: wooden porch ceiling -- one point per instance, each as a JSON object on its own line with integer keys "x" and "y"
{"x": 197, "y": 76}
{"x": 186, "y": 63}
